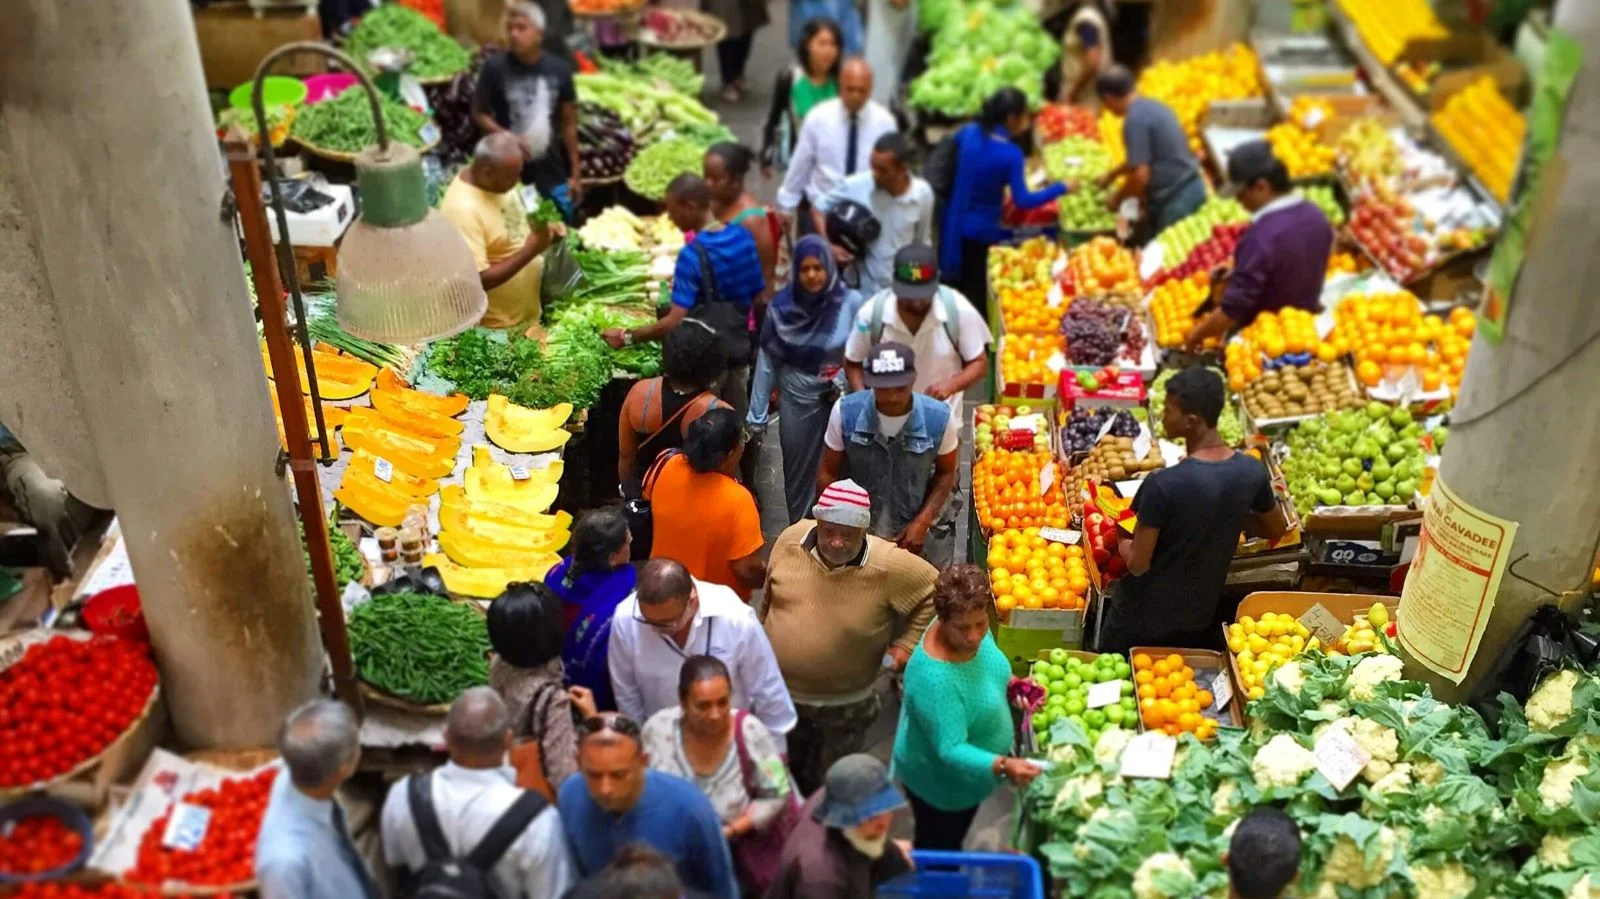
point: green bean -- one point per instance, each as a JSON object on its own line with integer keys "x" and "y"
{"x": 419, "y": 647}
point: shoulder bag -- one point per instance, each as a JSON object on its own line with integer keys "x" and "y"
{"x": 527, "y": 751}
{"x": 758, "y": 855}
{"x": 641, "y": 523}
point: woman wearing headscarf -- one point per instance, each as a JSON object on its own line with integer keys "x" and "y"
{"x": 592, "y": 582}
{"x": 802, "y": 349}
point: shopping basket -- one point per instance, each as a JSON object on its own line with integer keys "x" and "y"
{"x": 1002, "y": 876}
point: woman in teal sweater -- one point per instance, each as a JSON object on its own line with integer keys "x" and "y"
{"x": 955, "y": 725}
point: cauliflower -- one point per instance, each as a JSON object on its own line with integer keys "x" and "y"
{"x": 1555, "y": 787}
{"x": 1225, "y": 801}
{"x": 1582, "y": 890}
{"x": 1362, "y": 684}
{"x": 1290, "y": 676}
{"x": 1281, "y": 763}
{"x": 1429, "y": 771}
{"x": 1347, "y": 862}
{"x": 1164, "y": 875}
{"x": 1079, "y": 795}
{"x": 1433, "y": 815}
{"x": 1450, "y": 881}
{"x": 1380, "y": 743}
{"x": 1555, "y": 850}
{"x": 1113, "y": 740}
{"x": 1551, "y": 703}
{"x": 1398, "y": 780}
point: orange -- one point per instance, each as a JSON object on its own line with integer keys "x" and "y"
{"x": 1162, "y": 668}
{"x": 1431, "y": 380}
{"x": 1163, "y": 689}
{"x": 1152, "y": 713}
{"x": 1175, "y": 662}
{"x": 1204, "y": 699}
{"x": 1143, "y": 677}
{"x": 1141, "y": 661}
{"x": 1147, "y": 692}
{"x": 1188, "y": 706}
{"x": 1369, "y": 372}
{"x": 1188, "y": 721}
{"x": 1188, "y": 673}
{"x": 1172, "y": 730}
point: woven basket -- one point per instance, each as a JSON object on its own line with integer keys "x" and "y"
{"x": 719, "y": 30}
{"x": 389, "y": 700}
{"x": 350, "y": 158}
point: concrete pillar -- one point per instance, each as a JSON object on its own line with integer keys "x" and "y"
{"x": 113, "y": 152}
{"x": 1525, "y": 449}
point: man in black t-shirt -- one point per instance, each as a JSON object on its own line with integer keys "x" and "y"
{"x": 531, "y": 94}
{"x": 1189, "y": 520}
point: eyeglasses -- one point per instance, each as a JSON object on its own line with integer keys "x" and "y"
{"x": 667, "y": 627}
{"x": 613, "y": 721}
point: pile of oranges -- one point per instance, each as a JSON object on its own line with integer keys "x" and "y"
{"x": 1344, "y": 263}
{"x": 1273, "y": 334}
{"x": 1020, "y": 277}
{"x": 1026, "y": 309}
{"x": 1190, "y": 86}
{"x": 1389, "y": 333}
{"x": 1026, "y": 571}
{"x": 1300, "y": 151}
{"x": 1025, "y": 358}
{"x": 1172, "y": 308}
{"x": 1005, "y": 490}
{"x": 1169, "y": 699}
{"x": 1103, "y": 266}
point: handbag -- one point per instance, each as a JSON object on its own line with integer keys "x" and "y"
{"x": 527, "y": 750}
{"x": 758, "y": 855}
{"x": 641, "y": 523}
{"x": 726, "y": 320}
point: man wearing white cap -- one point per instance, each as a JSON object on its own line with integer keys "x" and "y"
{"x": 841, "y": 606}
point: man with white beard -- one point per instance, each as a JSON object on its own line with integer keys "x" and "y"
{"x": 530, "y": 93}
{"x": 840, "y": 849}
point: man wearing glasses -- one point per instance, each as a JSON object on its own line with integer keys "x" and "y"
{"x": 620, "y": 800}
{"x": 672, "y": 616}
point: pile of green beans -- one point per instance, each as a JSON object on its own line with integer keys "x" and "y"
{"x": 420, "y": 647}
{"x": 344, "y": 123}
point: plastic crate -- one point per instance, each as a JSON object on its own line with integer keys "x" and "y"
{"x": 977, "y": 874}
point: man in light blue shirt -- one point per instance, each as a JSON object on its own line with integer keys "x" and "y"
{"x": 303, "y": 850}
{"x": 900, "y": 201}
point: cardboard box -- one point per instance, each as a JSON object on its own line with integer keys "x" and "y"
{"x": 1207, "y": 661}
{"x": 1344, "y": 606}
{"x": 234, "y": 39}
{"x": 1467, "y": 56}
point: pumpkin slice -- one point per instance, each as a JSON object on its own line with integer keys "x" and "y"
{"x": 390, "y": 382}
{"x": 379, "y": 503}
{"x": 453, "y": 496}
{"x": 416, "y": 456}
{"x": 512, "y": 527}
{"x": 522, "y": 430}
{"x": 486, "y": 583}
{"x": 410, "y": 485}
{"x": 333, "y": 415}
{"x": 473, "y": 551}
{"x": 418, "y": 421}
{"x": 409, "y": 425}
{"x": 338, "y": 377}
{"x": 483, "y": 459}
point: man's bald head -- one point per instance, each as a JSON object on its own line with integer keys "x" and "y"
{"x": 497, "y": 162}
{"x": 855, "y": 83}
{"x": 478, "y": 728}
{"x": 661, "y": 580}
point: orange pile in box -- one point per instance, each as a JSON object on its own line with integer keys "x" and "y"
{"x": 1344, "y": 263}
{"x": 1172, "y": 308}
{"x": 1005, "y": 489}
{"x": 1024, "y": 358}
{"x": 1026, "y": 571}
{"x": 1026, "y": 308}
{"x": 1273, "y": 334}
{"x": 1169, "y": 700}
{"x": 1389, "y": 333}
{"x": 1103, "y": 266}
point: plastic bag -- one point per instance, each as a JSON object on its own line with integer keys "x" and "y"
{"x": 562, "y": 273}
{"x": 1546, "y": 641}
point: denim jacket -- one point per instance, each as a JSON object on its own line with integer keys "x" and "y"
{"x": 896, "y": 472}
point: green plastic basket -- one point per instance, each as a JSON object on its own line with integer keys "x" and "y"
{"x": 277, "y": 90}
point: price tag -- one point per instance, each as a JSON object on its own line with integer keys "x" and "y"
{"x": 1141, "y": 443}
{"x": 1047, "y": 477}
{"x": 354, "y": 595}
{"x": 1323, "y": 624}
{"x": 1128, "y": 488}
{"x": 1105, "y": 428}
{"x": 1221, "y": 691}
{"x": 1060, "y": 535}
{"x": 1149, "y": 754}
{"x": 518, "y": 473}
{"x": 1054, "y": 297}
{"x": 1104, "y": 693}
{"x": 383, "y": 470}
{"x": 1032, "y": 423}
{"x": 1072, "y": 163}
{"x": 428, "y": 133}
{"x": 186, "y": 829}
{"x": 1338, "y": 757}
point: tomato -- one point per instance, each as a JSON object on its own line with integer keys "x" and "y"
{"x": 226, "y": 854}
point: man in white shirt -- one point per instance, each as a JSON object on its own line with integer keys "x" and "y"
{"x": 900, "y": 201}
{"x": 945, "y": 332}
{"x": 672, "y": 616}
{"x": 835, "y": 140}
{"x": 469, "y": 796}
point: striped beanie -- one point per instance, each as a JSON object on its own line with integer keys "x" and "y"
{"x": 844, "y": 502}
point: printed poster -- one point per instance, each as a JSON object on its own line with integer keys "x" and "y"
{"x": 1451, "y": 587}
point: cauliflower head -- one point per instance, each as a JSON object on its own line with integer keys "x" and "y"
{"x": 1362, "y": 684}
{"x": 1347, "y": 863}
{"x": 1225, "y": 799}
{"x": 1113, "y": 740}
{"x": 1380, "y": 743}
{"x": 1582, "y": 890}
{"x": 1551, "y": 703}
{"x": 1555, "y": 851}
{"x": 1290, "y": 676}
{"x": 1283, "y": 762}
{"x": 1079, "y": 795}
{"x": 1451, "y": 881}
{"x": 1398, "y": 780}
{"x": 1555, "y": 787}
{"x": 1164, "y": 875}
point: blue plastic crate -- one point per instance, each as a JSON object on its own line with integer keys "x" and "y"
{"x": 977, "y": 874}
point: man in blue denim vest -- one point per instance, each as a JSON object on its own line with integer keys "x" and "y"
{"x": 900, "y": 446}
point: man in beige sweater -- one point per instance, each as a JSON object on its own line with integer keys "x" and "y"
{"x": 841, "y": 607}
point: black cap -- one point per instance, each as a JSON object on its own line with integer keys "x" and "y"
{"x": 889, "y": 364}
{"x": 916, "y": 272}
{"x": 1249, "y": 161}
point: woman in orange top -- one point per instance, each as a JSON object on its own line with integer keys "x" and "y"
{"x": 703, "y": 517}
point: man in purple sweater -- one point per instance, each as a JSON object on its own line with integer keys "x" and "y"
{"x": 1283, "y": 257}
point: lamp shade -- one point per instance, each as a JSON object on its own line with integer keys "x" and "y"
{"x": 405, "y": 273}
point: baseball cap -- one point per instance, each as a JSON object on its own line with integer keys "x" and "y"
{"x": 1249, "y": 161}
{"x": 856, "y": 788}
{"x": 889, "y": 364}
{"x": 916, "y": 272}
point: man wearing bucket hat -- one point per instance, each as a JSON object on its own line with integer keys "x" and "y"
{"x": 841, "y": 849}
{"x": 899, "y": 445}
{"x": 841, "y": 607}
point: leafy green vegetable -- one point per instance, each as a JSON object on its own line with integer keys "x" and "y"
{"x": 546, "y": 213}
{"x": 435, "y": 55}
{"x": 642, "y": 359}
{"x": 980, "y": 48}
{"x": 656, "y": 165}
{"x": 344, "y": 123}
{"x": 573, "y": 367}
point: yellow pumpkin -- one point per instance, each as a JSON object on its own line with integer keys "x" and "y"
{"x": 338, "y": 377}
{"x": 418, "y": 456}
{"x": 522, "y": 430}
{"x": 410, "y": 485}
{"x": 486, "y": 583}
{"x": 473, "y": 551}
{"x": 381, "y": 504}
{"x": 390, "y": 382}
{"x": 417, "y": 421}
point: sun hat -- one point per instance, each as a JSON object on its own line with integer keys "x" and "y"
{"x": 857, "y": 787}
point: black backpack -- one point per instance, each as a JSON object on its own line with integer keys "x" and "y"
{"x": 443, "y": 876}
{"x": 725, "y": 319}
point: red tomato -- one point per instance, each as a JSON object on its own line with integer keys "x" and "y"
{"x": 226, "y": 855}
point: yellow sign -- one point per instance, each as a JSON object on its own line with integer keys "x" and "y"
{"x": 1451, "y": 587}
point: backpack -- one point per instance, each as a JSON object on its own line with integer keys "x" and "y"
{"x": 443, "y": 876}
{"x": 730, "y": 323}
{"x": 947, "y": 300}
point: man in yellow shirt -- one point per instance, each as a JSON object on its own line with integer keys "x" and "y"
{"x": 485, "y": 204}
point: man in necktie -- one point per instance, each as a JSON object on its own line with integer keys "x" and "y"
{"x": 303, "y": 850}
{"x": 831, "y": 141}
{"x": 850, "y": 143}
